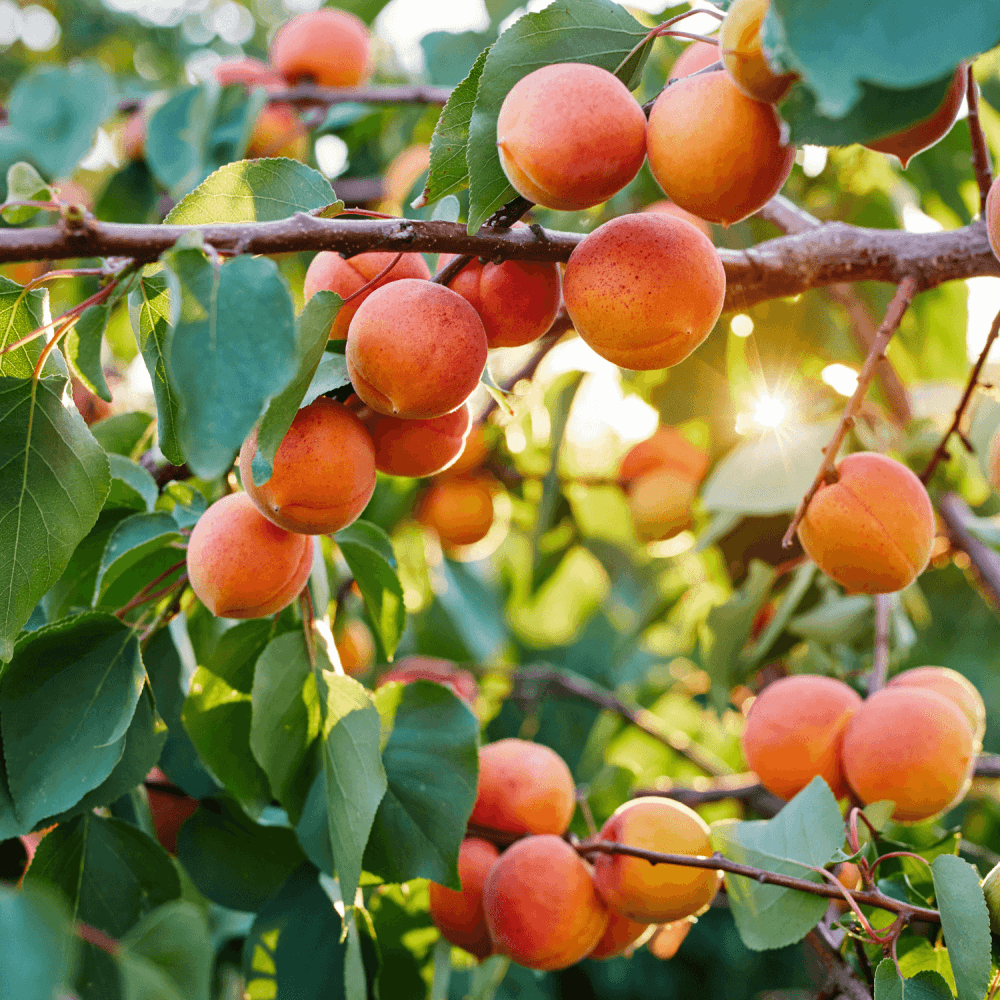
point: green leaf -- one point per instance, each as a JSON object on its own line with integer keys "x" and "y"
{"x": 149, "y": 310}
{"x": 807, "y": 831}
{"x": 37, "y": 948}
{"x": 234, "y": 861}
{"x": 965, "y": 923}
{"x": 24, "y": 183}
{"x": 55, "y": 111}
{"x": 122, "y": 432}
{"x": 129, "y": 196}
{"x": 177, "y": 136}
{"x": 926, "y": 957}
{"x": 368, "y": 552}
{"x": 923, "y": 986}
{"x": 66, "y": 701}
{"x": 132, "y": 487}
{"x": 598, "y": 32}
{"x": 312, "y": 332}
{"x": 331, "y": 373}
{"x": 432, "y": 764}
{"x": 475, "y": 610}
{"x": 254, "y": 191}
{"x": 82, "y": 348}
{"x": 232, "y": 348}
{"x": 132, "y": 540}
{"x": 22, "y": 312}
{"x": 167, "y": 955}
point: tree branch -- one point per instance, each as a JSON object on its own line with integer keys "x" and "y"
{"x": 838, "y": 972}
{"x": 980, "y": 151}
{"x": 743, "y": 788}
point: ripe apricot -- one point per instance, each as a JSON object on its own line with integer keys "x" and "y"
{"x": 430, "y": 371}
{"x": 430, "y": 668}
{"x": 660, "y": 504}
{"x": 169, "y": 808}
{"x": 133, "y": 136}
{"x": 620, "y": 934}
{"x": 475, "y": 452}
{"x": 241, "y": 565}
{"x": 329, "y": 47}
{"x": 459, "y": 915}
{"x": 952, "y": 685}
{"x": 541, "y": 906}
{"x": 666, "y": 207}
{"x": 355, "y": 647}
{"x": 667, "y": 940}
{"x": 345, "y": 276}
{"x": 644, "y": 290}
{"x": 92, "y": 408}
{"x": 524, "y": 787}
{"x": 794, "y": 731}
{"x": 696, "y": 56}
{"x": 655, "y": 893}
{"x": 743, "y": 55}
{"x": 715, "y": 151}
{"x": 872, "y": 530}
{"x": 459, "y": 509}
{"x": 665, "y": 449}
{"x": 324, "y": 471}
{"x": 848, "y": 875}
{"x": 401, "y": 175}
{"x": 913, "y": 746}
{"x": 247, "y": 71}
{"x": 417, "y": 447}
{"x": 993, "y": 230}
{"x": 906, "y": 144}
{"x": 570, "y": 135}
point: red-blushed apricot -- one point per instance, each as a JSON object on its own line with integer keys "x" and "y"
{"x": 655, "y": 893}
{"x": 475, "y": 452}
{"x": 524, "y": 787}
{"x": 570, "y": 135}
{"x": 329, "y": 47}
{"x": 241, "y": 565}
{"x": 644, "y": 290}
{"x": 993, "y": 230}
{"x": 248, "y": 72}
{"x": 133, "y": 136}
{"x": 24, "y": 271}
{"x": 666, "y": 207}
{"x": 913, "y": 746}
{"x": 92, "y": 408}
{"x": 794, "y": 732}
{"x": 345, "y": 276}
{"x": 665, "y": 449}
{"x": 743, "y": 55}
{"x": 430, "y": 371}
{"x": 872, "y": 530}
{"x": 417, "y": 447}
{"x": 278, "y": 132}
{"x": 169, "y": 808}
{"x": 324, "y": 471}
{"x": 660, "y": 504}
{"x": 906, "y": 144}
{"x": 667, "y": 940}
{"x": 430, "y": 668}
{"x": 848, "y": 875}
{"x": 695, "y": 57}
{"x": 715, "y": 151}
{"x": 541, "y": 906}
{"x": 459, "y": 509}
{"x": 459, "y": 915}
{"x": 953, "y": 686}
{"x": 620, "y": 934}
{"x": 355, "y": 647}
{"x": 401, "y": 175}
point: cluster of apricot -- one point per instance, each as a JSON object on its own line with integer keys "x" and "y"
{"x": 913, "y": 742}
{"x": 539, "y": 902}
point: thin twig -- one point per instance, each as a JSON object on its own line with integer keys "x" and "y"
{"x": 97, "y": 938}
{"x": 743, "y": 788}
{"x": 452, "y": 268}
{"x": 880, "y": 655}
{"x": 980, "y": 151}
{"x": 985, "y": 561}
{"x": 897, "y": 307}
{"x": 374, "y": 281}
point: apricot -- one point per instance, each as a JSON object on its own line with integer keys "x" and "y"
{"x": 665, "y": 449}
{"x": 133, "y": 136}
{"x": 355, "y": 647}
{"x": 459, "y": 915}
{"x": 169, "y": 808}
{"x": 715, "y": 151}
{"x": 695, "y": 57}
{"x": 655, "y": 893}
{"x": 345, "y": 276}
{"x": 524, "y": 787}
{"x": 743, "y": 55}
{"x": 848, "y": 875}
{"x": 92, "y": 408}
{"x": 644, "y": 290}
{"x": 241, "y": 565}
{"x": 328, "y": 47}
{"x": 906, "y": 144}
{"x": 667, "y": 940}
{"x": 542, "y": 908}
{"x": 401, "y": 175}
{"x": 953, "y": 686}
{"x": 459, "y": 509}
{"x": 430, "y": 371}
{"x": 475, "y": 452}
{"x": 872, "y": 530}
{"x": 794, "y": 732}
{"x": 324, "y": 471}
{"x": 430, "y": 668}
{"x": 621, "y": 933}
{"x": 246, "y": 71}
{"x": 278, "y": 132}
{"x": 570, "y": 135}
{"x": 417, "y": 447}
{"x": 666, "y": 207}
{"x": 911, "y": 745}
{"x": 660, "y": 504}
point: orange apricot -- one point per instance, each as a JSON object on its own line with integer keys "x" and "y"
{"x": 355, "y": 647}
{"x": 872, "y": 530}
{"x": 542, "y": 908}
{"x": 667, "y": 940}
{"x": 524, "y": 787}
{"x": 904, "y": 145}
{"x": 621, "y": 933}
{"x": 246, "y": 71}
{"x": 329, "y": 47}
{"x": 665, "y": 449}
{"x": 952, "y": 685}
{"x": 570, "y": 135}
{"x": 715, "y": 151}
{"x": 911, "y": 745}
{"x": 848, "y": 875}
{"x": 241, "y": 565}
{"x": 459, "y": 509}
{"x": 743, "y": 55}
{"x": 430, "y": 668}
{"x": 133, "y": 136}
{"x": 695, "y": 57}
{"x": 794, "y": 731}
{"x": 475, "y": 452}
{"x": 278, "y": 132}
{"x": 324, "y": 471}
{"x": 401, "y": 175}
{"x": 655, "y": 893}
{"x": 92, "y": 408}
{"x": 459, "y": 915}
{"x": 430, "y": 371}
{"x": 417, "y": 447}
{"x": 666, "y": 207}
{"x": 345, "y": 276}
{"x": 660, "y": 504}
{"x": 993, "y": 230}
{"x": 644, "y": 290}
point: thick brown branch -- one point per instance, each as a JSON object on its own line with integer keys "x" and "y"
{"x": 839, "y": 973}
{"x": 980, "y": 151}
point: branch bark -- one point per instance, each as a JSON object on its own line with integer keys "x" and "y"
{"x": 955, "y": 512}
{"x": 839, "y": 973}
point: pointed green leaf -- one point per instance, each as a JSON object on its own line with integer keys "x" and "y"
{"x": 132, "y": 487}
{"x": 37, "y": 948}
{"x": 177, "y": 136}
{"x": 965, "y": 922}
{"x": 22, "y": 312}
{"x": 331, "y": 373}
{"x": 132, "y": 540}
{"x": 82, "y": 347}
{"x": 923, "y": 986}
{"x": 24, "y": 183}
